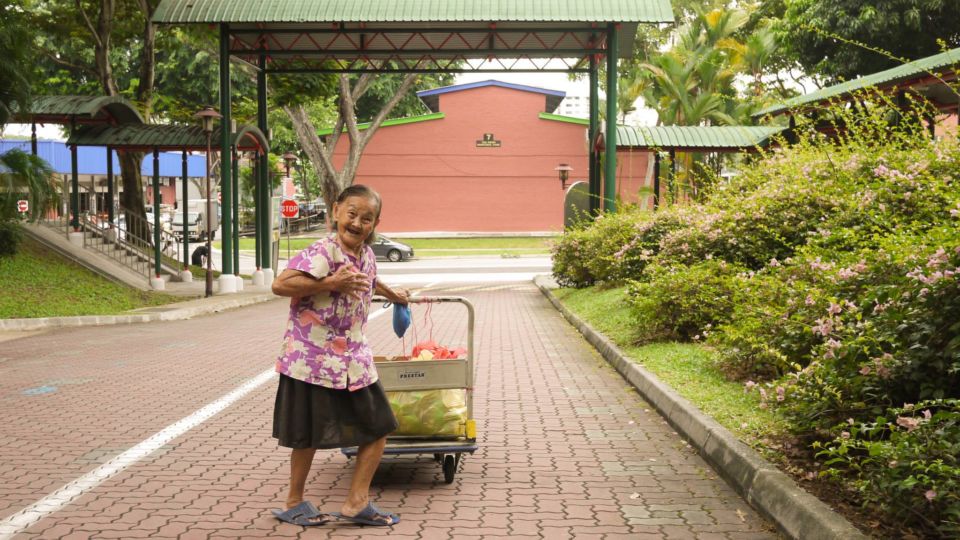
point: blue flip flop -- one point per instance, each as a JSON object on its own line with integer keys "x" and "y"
{"x": 371, "y": 515}
{"x": 304, "y": 514}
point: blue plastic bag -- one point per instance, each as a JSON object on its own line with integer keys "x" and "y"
{"x": 401, "y": 319}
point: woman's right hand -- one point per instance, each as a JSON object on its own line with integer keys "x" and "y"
{"x": 348, "y": 281}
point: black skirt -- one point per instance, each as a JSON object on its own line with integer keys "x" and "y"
{"x": 310, "y": 416}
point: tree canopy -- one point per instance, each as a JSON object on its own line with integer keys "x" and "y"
{"x": 841, "y": 39}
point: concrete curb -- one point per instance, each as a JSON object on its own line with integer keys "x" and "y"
{"x": 795, "y": 512}
{"x": 173, "y": 312}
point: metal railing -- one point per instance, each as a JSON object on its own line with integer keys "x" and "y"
{"x": 127, "y": 247}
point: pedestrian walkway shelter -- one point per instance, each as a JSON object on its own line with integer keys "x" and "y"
{"x": 74, "y": 112}
{"x": 933, "y": 78}
{"x": 156, "y": 138}
{"x": 700, "y": 139}
{"x": 373, "y": 36}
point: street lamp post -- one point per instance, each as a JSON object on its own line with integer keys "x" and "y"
{"x": 206, "y": 117}
{"x": 290, "y": 159}
{"x": 564, "y": 171}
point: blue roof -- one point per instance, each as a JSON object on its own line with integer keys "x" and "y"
{"x": 430, "y": 99}
{"x": 93, "y": 160}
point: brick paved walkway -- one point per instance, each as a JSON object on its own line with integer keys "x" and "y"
{"x": 568, "y": 449}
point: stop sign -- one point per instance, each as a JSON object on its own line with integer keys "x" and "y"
{"x": 289, "y": 208}
{"x": 23, "y": 206}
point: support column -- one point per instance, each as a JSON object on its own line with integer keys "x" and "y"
{"x": 265, "y": 230}
{"x": 110, "y": 234}
{"x": 111, "y": 189}
{"x": 610, "y": 164}
{"x": 228, "y": 283}
{"x": 672, "y": 180}
{"x": 235, "y": 186}
{"x": 255, "y": 164}
{"x": 74, "y": 186}
{"x": 33, "y": 138}
{"x": 185, "y": 275}
{"x": 594, "y": 130}
{"x": 656, "y": 180}
{"x": 156, "y": 282}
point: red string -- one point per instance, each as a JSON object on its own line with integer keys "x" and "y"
{"x": 428, "y": 318}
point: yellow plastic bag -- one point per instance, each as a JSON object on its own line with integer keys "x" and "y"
{"x": 430, "y": 413}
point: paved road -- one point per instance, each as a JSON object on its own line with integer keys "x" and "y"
{"x": 567, "y": 448}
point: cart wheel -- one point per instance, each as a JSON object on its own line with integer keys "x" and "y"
{"x": 449, "y": 468}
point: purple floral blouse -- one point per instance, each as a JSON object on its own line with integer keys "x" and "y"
{"x": 324, "y": 343}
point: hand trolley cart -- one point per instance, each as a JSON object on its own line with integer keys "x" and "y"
{"x": 411, "y": 376}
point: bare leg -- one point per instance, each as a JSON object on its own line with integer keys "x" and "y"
{"x": 368, "y": 458}
{"x": 300, "y": 461}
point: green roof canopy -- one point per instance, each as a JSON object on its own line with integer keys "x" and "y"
{"x": 419, "y": 35}
{"x": 149, "y": 137}
{"x": 695, "y": 138}
{"x": 926, "y": 75}
{"x": 81, "y": 110}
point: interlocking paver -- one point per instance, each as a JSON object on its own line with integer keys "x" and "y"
{"x": 567, "y": 448}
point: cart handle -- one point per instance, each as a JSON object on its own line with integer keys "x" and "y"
{"x": 448, "y": 299}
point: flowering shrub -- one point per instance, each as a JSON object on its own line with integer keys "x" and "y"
{"x": 613, "y": 248}
{"x": 827, "y": 277}
{"x": 683, "y": 302}
{"x": 906, "y": 463}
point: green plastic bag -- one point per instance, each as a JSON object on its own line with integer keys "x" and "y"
{"x": 430, "y": 413}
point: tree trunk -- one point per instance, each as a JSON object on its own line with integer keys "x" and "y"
{"x": 320, "y": 153}
{"x": 132, "y": 198}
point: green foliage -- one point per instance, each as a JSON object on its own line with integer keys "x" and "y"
{"x": 905, "y": 463}
{"x": 683, "y": 302}
{"x": 841, "y": 39}
{"x": 57, "y": 288}
{"x": 10, "y": 238}
{"x": 16, "y": 60}
{"x": 827, "y": 271}
{"x": 612, "y": 248}
{"x": 25, "y": 176}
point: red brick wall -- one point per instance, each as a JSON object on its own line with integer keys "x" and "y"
{"x": 632, "y": 169}
{"x": 433, "y": 177}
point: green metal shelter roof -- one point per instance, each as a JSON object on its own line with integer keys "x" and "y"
{"x": 931, "y": 72}
{"x": 164, "y": 137}
{"x": 419, "y": 35}
{"x": 696, "y": 138}
{"x": 419, "y": 11}
{"x": 80, "y": 109}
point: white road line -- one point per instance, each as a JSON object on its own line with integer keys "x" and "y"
{"x": 23, "y": 519}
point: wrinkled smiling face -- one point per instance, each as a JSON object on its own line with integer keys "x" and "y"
{"x": 356, "y": 217}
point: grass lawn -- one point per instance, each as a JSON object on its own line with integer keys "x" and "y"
{"x": 441, "y": 247}
{"x": 687, "y": 368}
{"x": 37, "y": 283}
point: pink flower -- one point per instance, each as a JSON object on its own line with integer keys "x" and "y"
{"x": 809, "y": 300}
{"x": 748, "y": 386}
{"x": 844, "y": 434}
{"x": 774, "y": 263}
{"x": 865, "y": 370}
{"x": 930, "y": 494}
{"x": 908, "y": 422}
{"x": 927, "y": 414}
{"x": 339, "y": 344}
{"x": 834, "y": 309}
{"x": 781, "y": 393}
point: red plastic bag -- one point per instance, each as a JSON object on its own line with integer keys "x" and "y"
{"x": 435, "y": 351}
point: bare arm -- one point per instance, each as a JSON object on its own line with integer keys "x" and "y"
{"x": 297, "y": 284}
{"x": 400, "y": 296}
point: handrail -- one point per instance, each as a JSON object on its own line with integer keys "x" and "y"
{"x": 126, "y": 247}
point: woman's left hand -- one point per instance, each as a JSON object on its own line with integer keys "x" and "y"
{"x": 401, "y": 296}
